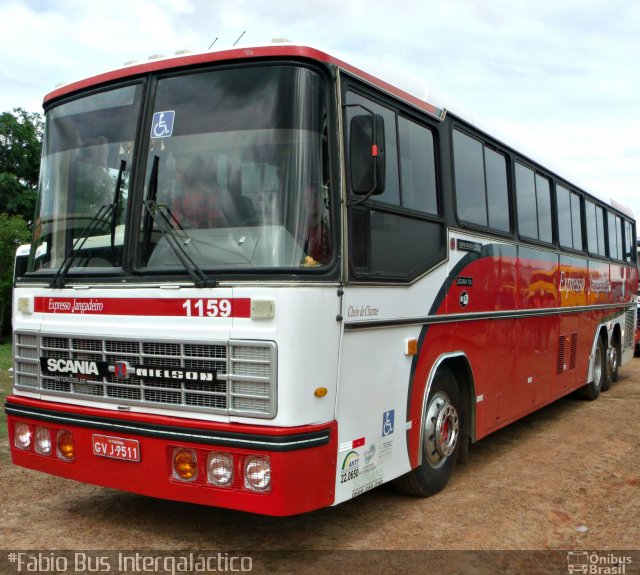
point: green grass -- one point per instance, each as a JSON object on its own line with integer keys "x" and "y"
{"x": 6, "y": 360}
{"x": 6, "y": 356}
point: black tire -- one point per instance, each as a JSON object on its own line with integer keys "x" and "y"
{"x": 441, "y": 438}
{"x": 600, "y": 381}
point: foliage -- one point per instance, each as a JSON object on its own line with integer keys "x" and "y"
{"x": 20, "y": 151}
{"x": 13, "y": 232}
{"x": 6, "y": 383}
{"x": 6, "y": 356}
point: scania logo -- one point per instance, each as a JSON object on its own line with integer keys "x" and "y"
{"x": 73, "y": 367}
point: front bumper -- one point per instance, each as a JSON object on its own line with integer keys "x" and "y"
{"x": 303, "y": 459}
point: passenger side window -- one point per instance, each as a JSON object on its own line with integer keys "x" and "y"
{"x": 356, "y": 105}
{"x": 533, "y": 193}
{"x": 482, "y": 195}
{"x": 615, "y": 236}
{"x": 393, "y": 246}
{"x": 495, "y": 166}
{"x": 417, "y": 167}
{"x": 569, "y": 221}
{"x": 576, "y": 222}
{"x": 595, "y": 228}
{"x": 630, "y": 246}
{"x": 397, "y": 235}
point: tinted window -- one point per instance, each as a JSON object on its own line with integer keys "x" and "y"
{"x": 469, "y": 174}
{"x": 592, "y": 235}
{"x": 613, "y": 242}
{"x": 391, "y": 193}
{"x": 391, "y": 245}
{"x": 417, "y": 167}
{"x": 526, "y": 197}
{"x": 497, "y": 190}
{"x": 576, "y": 221}
{"x": 569, "y": 222}
{"x": 482, "y": 195}
{"x": 619, "y": 240}
{"x": 600, "y": 223}
{"x": 534, "y": 204}
{"x": 629, "y": 243}
{"x": 543, "y": 199}
{"x": 565, "y": 234}
{"x": 595, "y": 228}
{"x": 397, "y": 246}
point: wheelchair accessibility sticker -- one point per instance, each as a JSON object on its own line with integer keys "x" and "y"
{"x": 162, "y": 124}
{"x": 387, "y": 423}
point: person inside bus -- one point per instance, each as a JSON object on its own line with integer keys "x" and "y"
{"x": 202, "y": 202}
{"x": 314, "y": 233}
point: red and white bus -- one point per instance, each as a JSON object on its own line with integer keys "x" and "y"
{"x": 266, "y": 280}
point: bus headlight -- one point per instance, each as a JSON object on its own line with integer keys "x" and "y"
{"x": 257, "y": 473}
{"x": 219, "y": 469}
{"x": 22, "y": 436}
{"x": 43, "y": 441}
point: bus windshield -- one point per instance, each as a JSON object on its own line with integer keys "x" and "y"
{"x": 235, "y": 177}
{"x": 238, "y": 176}
{"x": 84, "y": 179}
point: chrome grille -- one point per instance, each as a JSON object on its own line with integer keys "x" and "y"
{"x": 245, "y": 372}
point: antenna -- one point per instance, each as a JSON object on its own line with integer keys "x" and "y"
{"x": 238, "y": 40}
{"x": 212, "y": 43}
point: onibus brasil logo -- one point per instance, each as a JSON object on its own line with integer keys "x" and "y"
{"x": 597, "y": 563}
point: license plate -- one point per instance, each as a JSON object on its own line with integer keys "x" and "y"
{"x": 116, "y": 447}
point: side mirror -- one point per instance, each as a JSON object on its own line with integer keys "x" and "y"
{"x": 366, "y": 154}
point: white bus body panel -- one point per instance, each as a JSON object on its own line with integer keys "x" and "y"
{"x": 304, "y": 329}
{"x": 375, "y": 373}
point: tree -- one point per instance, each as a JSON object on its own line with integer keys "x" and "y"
{"x": 13, "y": 232}
{"x": 20, "y": 150}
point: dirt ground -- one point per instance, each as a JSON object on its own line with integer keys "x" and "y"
{"x": 564, "y": 478}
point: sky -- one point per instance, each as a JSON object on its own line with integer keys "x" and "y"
{"x": 559, "y": 79}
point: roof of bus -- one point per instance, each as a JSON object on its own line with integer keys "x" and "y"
{"x": 413, "y": 94}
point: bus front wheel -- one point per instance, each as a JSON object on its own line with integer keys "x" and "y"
{"x": 441, "y": 437}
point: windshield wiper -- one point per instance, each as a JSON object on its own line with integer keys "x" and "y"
{"x": 169, "y": 226}
{"x": 102, "y": 216}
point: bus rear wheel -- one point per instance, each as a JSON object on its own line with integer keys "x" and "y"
{"x": 441, "y": 438}
{"x": 600, "y": 381}
{"x": 613, "y": 363}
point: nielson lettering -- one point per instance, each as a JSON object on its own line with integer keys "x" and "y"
{"x": 175, "y": 374}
